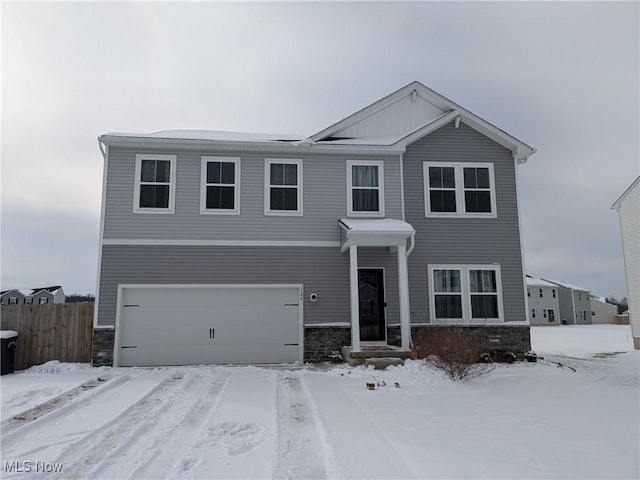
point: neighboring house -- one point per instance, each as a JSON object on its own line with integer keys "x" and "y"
{"x": 601, "y": 311}
{"x": 40, "y": 295}
{"x": 628, "y": 207}
{"x": 544, "y": 304}
{"x": 221, "y": 247}
{"x": 574, "y": 304}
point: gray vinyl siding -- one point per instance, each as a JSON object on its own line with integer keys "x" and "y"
{"x": 324, "y": 200}
{"x": 463, "y": 240}
{"x": 324, "y": 271}
{"x": 566, "y": 306}
{"x": 546, "y": 302}
{"x": 582, "y": 304}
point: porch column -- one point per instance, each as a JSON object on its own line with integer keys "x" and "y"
{"x": 355, "y": 309}
{"x": 403, "y": 288}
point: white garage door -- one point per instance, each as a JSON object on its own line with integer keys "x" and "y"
{"x": 191, "y": 325}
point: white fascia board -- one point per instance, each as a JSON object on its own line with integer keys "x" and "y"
{"x": 616, "y": 204}
{"x": 263, "y": 147}
{"x": 221, "y": 243}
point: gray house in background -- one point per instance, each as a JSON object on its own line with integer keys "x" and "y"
{"x": 544, "y": 302}
{"x": 28, "y": 296}
{"x": 574, "y": 303}
{"x": 221, "y": 247}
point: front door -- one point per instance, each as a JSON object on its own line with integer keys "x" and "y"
{"x": 371, "y": 298}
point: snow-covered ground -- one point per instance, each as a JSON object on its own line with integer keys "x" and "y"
{"x": 525, "y": 420}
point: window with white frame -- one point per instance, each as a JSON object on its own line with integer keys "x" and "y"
{"x": 28, "y": 300}
{"x": 13, "y": 300}
{"x": 459, "y": 189}
{"x": 465, "y": 293}
{"x": 283, "y": 187}
{"x": 365, "y": 188}
{"x": 155, "y": 183}
{"x": 43, "y": 300}
{"x": 220, "y": 185}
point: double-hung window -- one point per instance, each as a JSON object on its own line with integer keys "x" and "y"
{"x": 43, "y": 300}
{"x": 459, "y": 189}
{"x": 365, "y": 188}
{"x": 283, "y": 187}
{"x": 220, "y": 185}
{"x": 470, "y": 293}
{"x": 155, "y": 184}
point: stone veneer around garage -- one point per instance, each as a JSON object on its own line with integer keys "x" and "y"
{"x": 322, "y": 343}
{"x": 102, "y": 347}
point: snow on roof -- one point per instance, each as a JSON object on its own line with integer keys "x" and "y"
{"x": 567, "y": 285}
{"x": 538, "y": 282}
{"x": 381, "y": 225}
{"x": 212, "y": 135}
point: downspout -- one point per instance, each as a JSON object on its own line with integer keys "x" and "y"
{"x": 104, "y": 150}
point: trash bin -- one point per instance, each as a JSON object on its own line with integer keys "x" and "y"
{"x": 9, "y": 338}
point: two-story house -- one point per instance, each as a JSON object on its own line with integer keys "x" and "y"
{"x": 221, "y": 247}
{"x": 574, "y": 303}
{"x": 544, "y": 303}
{"x": 29, "y": 296}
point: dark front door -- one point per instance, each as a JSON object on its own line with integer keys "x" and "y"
{"x": 371, "y": 296}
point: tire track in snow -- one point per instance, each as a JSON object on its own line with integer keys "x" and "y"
{"x": 298, "y": 455}
{"x": 157, "y": 446}
{"x": 23, "y": 418}
{"x": 115, "y": 436}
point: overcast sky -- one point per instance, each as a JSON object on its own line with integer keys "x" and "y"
{"x": 562, "y": 77}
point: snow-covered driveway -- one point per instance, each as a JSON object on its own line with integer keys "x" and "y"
{"x": 519, "y": 421}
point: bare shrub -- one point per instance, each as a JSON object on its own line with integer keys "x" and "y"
{"x": 456, "y": 352}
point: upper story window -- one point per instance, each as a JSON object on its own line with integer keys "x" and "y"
{"x": 459, "y": 189}
{"x": 220, "y": 185}
{"x": 283, "y": 187}
{"x": 540, "y": 292}
{"x": 465, "y": 293}
{"x": 28, "y": 300}
{"x": 553, "y": 293}
{"x": 365, "y": 188}
{"x": 13, "y": 300}
{"x": 43, "y": 300}
{"x": 155, "y": 184}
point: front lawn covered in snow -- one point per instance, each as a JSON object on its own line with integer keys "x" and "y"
{"x": 524, "y": 420}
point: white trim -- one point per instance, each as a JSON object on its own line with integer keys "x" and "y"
{"x": 403, "y": 291}
{"x": 268, "y": 186}
{"x": 402, "y": 203}
{"x": 105, "y": 169}
{"x": 236, "y": 186}
{"x": 223, "y": 243}
{"x": 459, "y": 190}
{"x": 354, "y": 297}
{"x": 524, "y": 270}
{"x": 379, "y": 188}
{"x": 465, "y": 293}
{"x": 172, "y": 184}
{"x": 123, "y": 286}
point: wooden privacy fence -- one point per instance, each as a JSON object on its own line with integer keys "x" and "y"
{"x": 59, "y": 331}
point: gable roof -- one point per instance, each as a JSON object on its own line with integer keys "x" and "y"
{"x": 386, "y": 126}
{"x": 538, "y": 282}
{"x": 27, "y": 292}
{"x": 406, "y": 115}
{"x": 567, "y": 285}
{"x": 616, "y": 204}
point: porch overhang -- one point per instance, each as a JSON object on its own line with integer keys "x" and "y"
{"x": 383, "y": 232}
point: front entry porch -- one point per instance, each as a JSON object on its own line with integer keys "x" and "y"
{"x": 368, "y": 313}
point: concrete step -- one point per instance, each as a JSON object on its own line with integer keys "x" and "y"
{"x": 371, "y": 353}
{"x": 382, "y": 363}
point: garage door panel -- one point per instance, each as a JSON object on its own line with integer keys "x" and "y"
{"x": 207, "y": 325}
